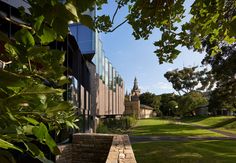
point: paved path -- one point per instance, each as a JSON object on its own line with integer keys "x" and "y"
{"x": 228, "y": 136}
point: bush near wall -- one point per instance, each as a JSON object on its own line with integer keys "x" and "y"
{"x": 111, "y": 125}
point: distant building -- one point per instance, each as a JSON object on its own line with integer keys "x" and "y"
{"x": 133, "y": 106}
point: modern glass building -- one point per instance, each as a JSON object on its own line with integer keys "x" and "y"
{"x": 109, "y": 84}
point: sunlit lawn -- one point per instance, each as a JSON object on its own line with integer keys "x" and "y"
{"x": 163, "y": 127}
{"x": 209, "y": 121}
{"x": 231, "y": 127}
{"x": 214, "y": 151}
{"x": 225, "y": 123}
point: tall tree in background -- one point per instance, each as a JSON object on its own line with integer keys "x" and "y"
{"x": 224, "y": 73}
{"x": 189, "y": 102}
{"x": 150, "y": 99}
{"x": 168, "y": 102}
{"x": 189, "y": 79}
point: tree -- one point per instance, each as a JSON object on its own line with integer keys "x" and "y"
{"x": 173, "y": 106}
{"x": 167, "y": 101}
{"x": 189, "y": 102}
{"x": 223, "y": 71}
{"x": 31, "y": 110}
{"x": 214, "y": 19}
{"x": 189, "y": 79}
{"x": 150, "y": 99}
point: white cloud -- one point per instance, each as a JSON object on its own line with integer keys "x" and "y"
{"x": 163, "y": 85}
{"x": 158, "y": 87}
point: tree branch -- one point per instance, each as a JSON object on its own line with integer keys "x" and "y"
{"x": 112, "y": 30}
{"x": 114, "y": 15}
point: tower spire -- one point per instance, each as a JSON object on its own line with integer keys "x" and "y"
{"x": 135, "y": 91}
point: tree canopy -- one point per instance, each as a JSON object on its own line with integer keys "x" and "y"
{"x": 189, "y": 79}
{"x": 150, "y": 99}
{"x": 33, "y": 110}
{"x": 214, "y": 19}
{"x": 189, "y": 102}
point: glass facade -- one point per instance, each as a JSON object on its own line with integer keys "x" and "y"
{"x": 109, "y": 91}
{"x": 106, "y": 71}
{"x": 114, "y": 79}
{"x": 110, "y": 76}
{"x": 72, "y": 90}
{"x": 84, "y": 36}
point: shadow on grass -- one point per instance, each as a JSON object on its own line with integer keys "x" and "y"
{"x": 171, "y": 129}
{"x": 223, "y": 123}
{"x": 193, "y": 119}
{"x": 190, "y": 151}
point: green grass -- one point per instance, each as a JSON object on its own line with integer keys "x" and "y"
{"x": 214, "y": 151}
{"x": 231, "y": 127}
{"x": 218, "y": 121}
{"x": 224, "y": 123}
{"x": 164, "y": 127}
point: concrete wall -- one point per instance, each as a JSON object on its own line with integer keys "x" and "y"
{"x": 109, "y": 102}
{"x": 146, "y": 113}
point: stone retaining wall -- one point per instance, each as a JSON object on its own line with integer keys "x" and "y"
{"x": 121, "y": 150}
{"x": 97, "y": 148}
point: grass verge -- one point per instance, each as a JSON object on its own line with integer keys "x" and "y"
{"x": 164, "y": 127}
{"x": 224, "y": 123}
{"x": 214, "y": 151}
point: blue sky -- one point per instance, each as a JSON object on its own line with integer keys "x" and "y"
{"x": 133, "y": 57}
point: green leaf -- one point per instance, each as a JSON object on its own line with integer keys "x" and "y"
{"x": 86, "y": 20}
{"x": 10, "y": 80}
{"x": 230, "y": 40}
{"x": 6, "y": 145}
{"x": 71, "y": 8}
{"x": 51, "y": 144}
{"x": 37, "y": 51}
{"x": 25, "y": 37}
{"x": 69, "y": 124}
{"x": 63, "y": 106}
{"x": 31, "y": 120}
{"x": 40, "y": 131}
{"x": 35, "y": 151}
{"x": 28, "y": 129}
{"x": 38, "y": 23}
{"x": 49, "y": 35}
{"x": 197, "y": 43}
{"x": 4, "y": 37}
{"x": 60, "y": 25}
{"x": 11, "y": 49}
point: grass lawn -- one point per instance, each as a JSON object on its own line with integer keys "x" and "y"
{"x": 225, "y": 123}
{"x": 164, "y": 127}
{"x": 217, "y": 121}
{"x": 214, "y": 151}
{"x": 231, "y": 127}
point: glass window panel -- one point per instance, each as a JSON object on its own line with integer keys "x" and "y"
{"x": 114, "y": 79}
{"x": 110, "y": 76}
{"x": 106, "y": 71}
